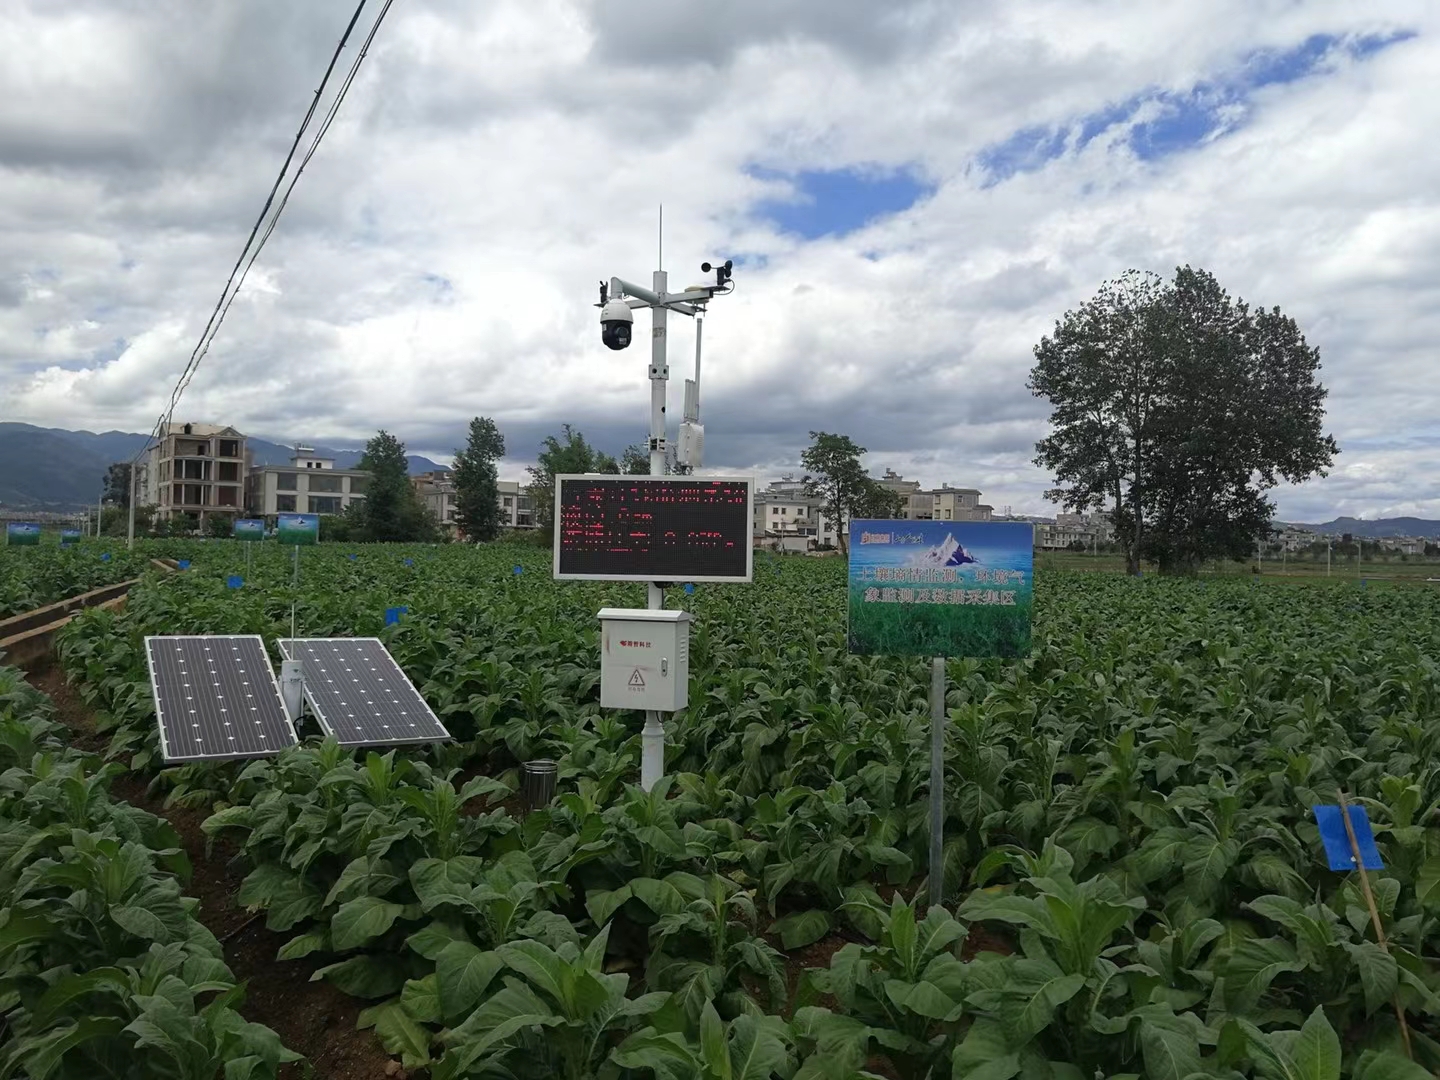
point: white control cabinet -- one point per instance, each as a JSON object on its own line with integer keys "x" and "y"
{"x": 644, "y": 659}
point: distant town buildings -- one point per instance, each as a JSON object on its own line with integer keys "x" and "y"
{"x": 308, "y": 485}
{"x": 194, "y": 469}
{"x": 517, "y": 507}
{"x": 944, "y": 503}
{"x": 1068, "y": 530}
{"x": 437, "y": 490}
{"x": 786, "y": 519}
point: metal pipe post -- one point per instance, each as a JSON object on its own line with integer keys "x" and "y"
{"x": 937, "y": 781}
{"x": 130, "y": 528}
{"x": 652, "y": 738}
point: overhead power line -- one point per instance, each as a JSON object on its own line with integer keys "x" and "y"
{"x": 270, "y": 213}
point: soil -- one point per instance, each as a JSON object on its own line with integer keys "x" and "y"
{"x": 815, "y": 955}
{"x": 985, "y": 938}
{"x": 70, "y": 708}
{"x": 313, "y": 1019}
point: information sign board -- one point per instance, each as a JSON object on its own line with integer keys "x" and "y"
{"x": 653, "y": 528}
{"x": 940, "y": 588}
{"x": 298, "y": 529}
{"x": 249, "y": 529}
{"x": 22, "y": 534}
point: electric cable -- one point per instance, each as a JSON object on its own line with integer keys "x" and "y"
{"x": 252, "y": 248}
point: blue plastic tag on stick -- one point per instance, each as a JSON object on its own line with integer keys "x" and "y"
{"x": 689, "y": 588}
{"x": 234, "y": 581}
{"x": 519, "y": 569}
{"x": 183, "y": 564}
{"x": 392, "y": 615}
{"x": 409, "y": 562}
{"x": 105, "y": 556}
{"x": 1337, "y": 844}
{"x": 351, "y": 556}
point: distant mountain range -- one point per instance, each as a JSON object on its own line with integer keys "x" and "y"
{"x": 54, "y": 469}
{"x": 1380, "y": 527}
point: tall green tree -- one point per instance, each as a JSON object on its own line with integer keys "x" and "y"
{"x": 391, "y": 510}
{"x": 836, "y": 477}
{"x": 117, "y": 484}
{"x": 635, "y": 461}
{"x": 569, "y": 453}
{"x": 477, "y": 482}
{"x": 877, "y": 501}
{"x": 1179, "y": 407}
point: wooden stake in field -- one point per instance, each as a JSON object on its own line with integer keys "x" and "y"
{"x": 1374, "y": 914}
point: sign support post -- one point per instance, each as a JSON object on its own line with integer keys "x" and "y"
{"x": 940, "y": 590}
{"x": 937, "y": 780}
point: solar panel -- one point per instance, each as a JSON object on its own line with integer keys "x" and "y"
{"x": 215, "y": 697}
{"x": 359, "y": 694}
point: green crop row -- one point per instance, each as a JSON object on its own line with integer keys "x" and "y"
{"x": 31, "y": 577}
{"x": 1128, "y": 833}
{"x": 104, "y": 970}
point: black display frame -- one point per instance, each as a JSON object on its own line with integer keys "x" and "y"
{"x": 624, "y": 480}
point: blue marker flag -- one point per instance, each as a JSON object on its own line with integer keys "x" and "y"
{"x": 234, "y": 581}
{"x": 519, "y": 569}
{"x": 183, "y": 564}
{"x": 409, "y": 562}
{"x": 1337, "y": 844}
{"x": 392, "y": 615}
{"x": 351, "y": 556}
{"x": 105, "y": 556}
{"x": 689, "y": 587}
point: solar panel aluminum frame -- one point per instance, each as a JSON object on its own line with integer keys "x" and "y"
{"x": 748, "y": 481}
{"x": 159, "y": 713}
{"x": 326, "y": 725}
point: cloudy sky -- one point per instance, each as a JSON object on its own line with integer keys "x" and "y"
{"x": 913, "y": 192}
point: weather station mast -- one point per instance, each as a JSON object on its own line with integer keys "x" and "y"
{"x": 662, "y": 528}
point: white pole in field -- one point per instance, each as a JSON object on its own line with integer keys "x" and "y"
{"x": 937, "y": 780}
{"x": 130, "y": 526}
{"x": 690, "y": 302}
{"x": 652, "y": 738}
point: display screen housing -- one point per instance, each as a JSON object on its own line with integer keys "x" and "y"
{"x": 653, "y": 528}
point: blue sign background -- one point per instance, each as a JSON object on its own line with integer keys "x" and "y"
{"x": 940, "y": 588}
{"x": 297, "y": 528}
{"x": 22, "y": 533}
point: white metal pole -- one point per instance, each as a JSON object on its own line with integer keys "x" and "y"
{"x": 937, "y": 780}
{"x": 699, "y": 331}
{"x": 1327, "y": 556}
{"x": 652, "y": 738}
{"x": 130, "y": 527}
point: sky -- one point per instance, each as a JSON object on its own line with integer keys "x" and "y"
{"x": 912, "y": 192}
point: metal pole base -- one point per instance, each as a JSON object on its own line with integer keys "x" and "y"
{"x": 652, "y": 751}
{"x": 292, "y": 688}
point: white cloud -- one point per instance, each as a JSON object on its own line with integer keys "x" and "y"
{"x": 494, "y": 162}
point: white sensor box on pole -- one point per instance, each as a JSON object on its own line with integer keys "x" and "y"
{"x": 644, "y": 659}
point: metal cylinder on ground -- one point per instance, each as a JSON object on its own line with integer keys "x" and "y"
{"x": 537, "y": 783}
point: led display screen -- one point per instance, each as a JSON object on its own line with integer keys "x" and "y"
{"x": 653, "y": 528}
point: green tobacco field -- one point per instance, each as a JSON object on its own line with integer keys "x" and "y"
{"x": 1133, "y": 879}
